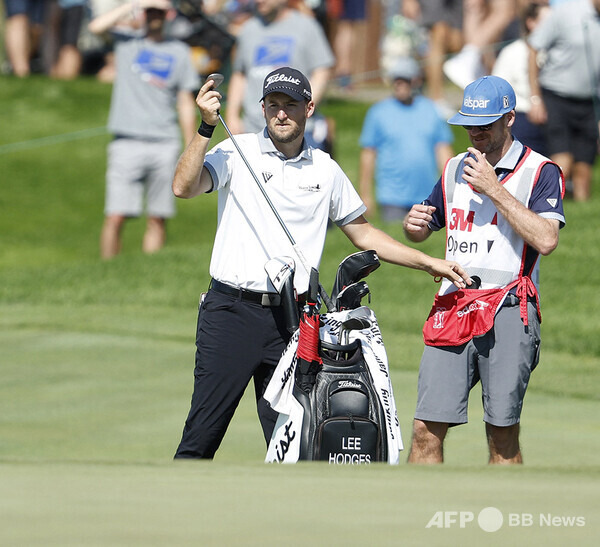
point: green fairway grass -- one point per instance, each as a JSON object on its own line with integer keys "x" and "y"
{"x": 97, "y": 371}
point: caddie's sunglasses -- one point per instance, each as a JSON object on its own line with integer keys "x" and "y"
{"x": 480, "y": 127}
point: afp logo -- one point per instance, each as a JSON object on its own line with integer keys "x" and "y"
{"x": 489, "y": 519}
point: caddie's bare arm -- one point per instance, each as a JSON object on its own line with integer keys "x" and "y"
{"x": 365, "y": 236}
{"x": 541, "y": 233}
{"x": 416, "y": 222}
{"x": 191, "y": 177}
{"x": 128, "y": 13}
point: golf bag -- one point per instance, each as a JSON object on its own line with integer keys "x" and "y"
{"x": 332, "y": 387}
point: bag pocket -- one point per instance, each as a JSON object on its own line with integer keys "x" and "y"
{"x": 348, "y": 435}
{"x": 348, "y": 440}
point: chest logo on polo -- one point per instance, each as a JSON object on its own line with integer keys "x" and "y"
{"x": 310, "y": 187}
{"x": 267, "y": 176}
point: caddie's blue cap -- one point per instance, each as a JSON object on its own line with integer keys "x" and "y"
{"x": 485, "y": 100}
{"x": 289, "y": 81}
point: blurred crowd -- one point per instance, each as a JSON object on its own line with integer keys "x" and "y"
{"x": 453, "y": 41}
{"x": 51, "y": 36}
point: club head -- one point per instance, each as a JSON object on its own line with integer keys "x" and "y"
{"x": 356, "y": 323}
{"x": 357, "y": 319}
{"x": 362, "y": 313}
{"x": 217, "y": 79}
{"x": 279, "y": 270}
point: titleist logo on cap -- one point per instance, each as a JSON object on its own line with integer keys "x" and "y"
{"x": 289, "y": 81}
{"x": 281, "y": 78}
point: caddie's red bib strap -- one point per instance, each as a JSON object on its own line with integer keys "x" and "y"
{"x": 457, "y": 317}
{"x": 525, "y": 289}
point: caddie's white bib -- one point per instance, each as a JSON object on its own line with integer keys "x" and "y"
{"x": 478, "y": 237}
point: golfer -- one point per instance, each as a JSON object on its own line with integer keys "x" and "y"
{"x": 501, "y": 205}
{"x": 241, "y": 328}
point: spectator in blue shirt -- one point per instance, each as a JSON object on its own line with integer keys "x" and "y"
{"x": 405, "y": 145}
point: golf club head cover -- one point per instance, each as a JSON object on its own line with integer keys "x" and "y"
{"x": 352, "y": 269}
{"x": 350, "y": 297}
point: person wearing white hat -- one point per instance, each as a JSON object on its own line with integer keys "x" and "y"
{"x": 501, "y": 206}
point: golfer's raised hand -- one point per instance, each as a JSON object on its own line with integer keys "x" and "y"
{"x": 452, "y": 271}
{"x": 416, "y": 222}
{"x": 209, "y": 103}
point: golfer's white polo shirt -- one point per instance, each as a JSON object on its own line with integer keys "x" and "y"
{"x": 306, "y": 191}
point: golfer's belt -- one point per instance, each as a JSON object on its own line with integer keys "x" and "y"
{"x": 266, "y": 299}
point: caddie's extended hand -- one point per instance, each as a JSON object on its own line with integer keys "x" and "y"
{"x": 209, "y": 103}
{"x": 479, "y": 173}
{"x": 452, "y": 271}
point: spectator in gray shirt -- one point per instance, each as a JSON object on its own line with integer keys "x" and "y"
{"x": 564, "y": 90}
{"x": 276, "y": 36}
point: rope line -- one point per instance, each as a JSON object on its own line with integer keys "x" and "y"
{"x": 52, "y": 139}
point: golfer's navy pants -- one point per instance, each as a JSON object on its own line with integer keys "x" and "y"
{"x": 235, "y": 342}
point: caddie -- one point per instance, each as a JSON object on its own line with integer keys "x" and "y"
{"x": 241, "y": 330}
{"x": 501, "y": 205}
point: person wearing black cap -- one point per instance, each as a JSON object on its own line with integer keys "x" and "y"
{"x": 241, "y": 325}
{"x": 501, "y": 205}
